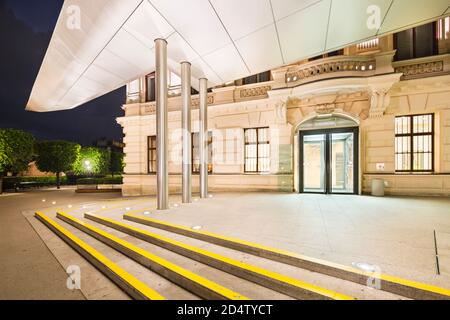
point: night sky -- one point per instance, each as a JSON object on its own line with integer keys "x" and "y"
{"x": 26, "y": 27}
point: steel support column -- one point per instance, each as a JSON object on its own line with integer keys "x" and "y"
{"x": 203, "y": 137}
{"x": 161, "y": 124}
{"x": 186, "y": 128}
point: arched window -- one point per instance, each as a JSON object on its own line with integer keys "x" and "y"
{"x": 326, "y": 122}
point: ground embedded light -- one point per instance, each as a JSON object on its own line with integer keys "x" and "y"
{"x": 146, "y": 213}
{"x": 197, "y": 227}
{"x": 364, "y": 266}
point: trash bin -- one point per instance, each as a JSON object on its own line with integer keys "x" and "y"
{"x": 378, "y": 188}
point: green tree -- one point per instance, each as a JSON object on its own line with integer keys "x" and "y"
{"x": 93, "y": 161}
{"x": 16, "y": 152}
{"x": 57, "y": 157}
{"x": 116, "y": 164}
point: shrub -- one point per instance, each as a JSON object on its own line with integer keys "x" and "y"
{"x": 93, "y": 161}
{"x": 99, "y": 181}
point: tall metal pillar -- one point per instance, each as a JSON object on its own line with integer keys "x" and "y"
{"x": 186, "y": 127}
{"x": 203, "y": 137}
{"x": 161, "y": 124}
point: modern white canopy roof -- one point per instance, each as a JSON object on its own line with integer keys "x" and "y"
{"x": 223, "y": 39}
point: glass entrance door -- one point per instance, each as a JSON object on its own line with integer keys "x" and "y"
{"x": 342, "y": 162}
{"x": 314, "y": 163}
{"x": 329, "y": 161}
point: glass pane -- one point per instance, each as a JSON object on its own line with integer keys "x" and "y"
{"x": 250, "y": 151}
{"x": 342, "y": 162}
{"x": 314, "y": 163}
{"x": 402, "y": 153}
{"x": 402, "y": 125}
{"x": 263, "y": 135}
{"x": 423, "y": 154}
{"x": 423, "y": 123}
{"x": 263, "y": 151}
{"x": 195, "y": 153}
{"x": 250, "y": 165}
{"x": 250, "y": 136}
{"x": 264, "y": 164}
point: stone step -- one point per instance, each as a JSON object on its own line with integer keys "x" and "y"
{"x": 127, "y": 282}
{"x": 186, "y": 279}
{"x": 392, "y": 284}
{"x": 272, "y": 280}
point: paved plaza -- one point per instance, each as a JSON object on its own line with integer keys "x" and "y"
{"x": 392, "y": 233}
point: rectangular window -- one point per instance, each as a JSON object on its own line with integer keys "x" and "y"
{"x": 257, "y": 78}
{"x": 257, "y": 150}
{"x": 414, "y": 143}
{"x": 196, "y": 153}
{"x": 415, "y": 43}
{"x": 150, "y": 88}
{"x": 151, "y": 154}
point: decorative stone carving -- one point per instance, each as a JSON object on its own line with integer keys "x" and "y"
{"x": 326, "y": 108}
{"x": 196, "y": 101}
{"x": 378, "y": 89}
{"x": 420, "y": 69}
{"x": 379, "y": 101}
{"x": 307, "y": 72}
{"x": 280, "y": 112}
{"x": 254, "y": 92}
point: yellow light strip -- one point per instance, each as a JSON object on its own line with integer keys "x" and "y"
{"x": 225, "y": 260}
{"x": 139, "y": 286}
{"x": 203, "y": 282}
{"x": 394, "y": 280}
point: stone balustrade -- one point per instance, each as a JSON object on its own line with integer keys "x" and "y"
{"x": 334, "y": 67}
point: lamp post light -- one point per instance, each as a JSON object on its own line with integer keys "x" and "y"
{"x": 88, "y": 166}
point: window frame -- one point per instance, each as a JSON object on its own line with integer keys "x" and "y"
{"x": 150, "y": 151}
{"x": 411, "y": 135}
{"x": 257, "y": 144}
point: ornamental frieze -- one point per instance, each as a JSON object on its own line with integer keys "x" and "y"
{"x": 420, "y": 69}
{"x": 254, "y": 92}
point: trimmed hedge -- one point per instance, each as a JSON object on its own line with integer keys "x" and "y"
{"x": 10, "y": 183}
{"x": 100, "y": 181}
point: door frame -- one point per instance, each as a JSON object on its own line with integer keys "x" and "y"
{"x": 328, "y": 174}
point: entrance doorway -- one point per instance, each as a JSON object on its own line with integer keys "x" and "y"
{"x": 329, "y": 161}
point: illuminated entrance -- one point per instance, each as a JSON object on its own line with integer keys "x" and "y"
{"x": 329, "y": 156}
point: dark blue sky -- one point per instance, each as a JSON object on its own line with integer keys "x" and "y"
{"x": 26, "y": 27}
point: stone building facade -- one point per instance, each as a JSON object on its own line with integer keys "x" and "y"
{"x": 361, "y": 86}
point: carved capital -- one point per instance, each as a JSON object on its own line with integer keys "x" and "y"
{"x": 378, "y": 89}
{"x": 379, "y": 101}
{"x": 281, "y": 112}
